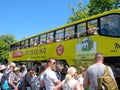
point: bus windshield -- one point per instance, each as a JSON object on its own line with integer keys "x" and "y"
{"x": 109, "y": 25}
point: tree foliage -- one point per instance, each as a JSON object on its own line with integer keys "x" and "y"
{"x": 99, "y": 6}
{"x": 81, "y": 13}
{"x": 5, "y": 41}
{"x": 92, "y": 8}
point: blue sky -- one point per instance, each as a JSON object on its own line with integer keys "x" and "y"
{"x": 24, "y": 18}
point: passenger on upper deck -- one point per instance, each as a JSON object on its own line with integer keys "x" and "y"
{"x": 92, "y": 30}
{"x": 35, "y": 44}
{"x": 59, "y": 39}
{"x": 108, "y": 31}
{"x": 78, "y": 35}
{"x": 95, "y": 30}
{"x": 67, "y": 37}
{"x": 105, "y": 30}
{"x": 42, "y": 42}
{"x": 50, "y": 40}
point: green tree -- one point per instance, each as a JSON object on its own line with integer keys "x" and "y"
{"x": 8, "y": 38}
{"x": 81, "y": 13}
{"x": 5, "y": 41}
{"x": 3, "y": 50}
{"x": 117, "y": 4}
{"x": 92, "y": 8}
{"x": 99, "y": 6}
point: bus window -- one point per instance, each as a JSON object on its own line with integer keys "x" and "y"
{"x": 81, "y": 29}
{"x": 26, "y": 43}
{"x": 11, "y": 47}
{"x": 36, "y": 41}
{"x": 22, "y": 45}
{"x": 43, "y": 39}
{"x": 109, "y": 25}
{"x": 50, "y": 37}
{"x": 15, "y": 46}
{"x": 92, "y": 27}
{"x": 59, "y": 35}
{"x": 69, "y": 32}
{"x": 18, "y": 46}
{"x": 31, "y": 42}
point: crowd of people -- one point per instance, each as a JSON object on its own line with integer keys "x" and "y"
{"x": 52, "y": 77}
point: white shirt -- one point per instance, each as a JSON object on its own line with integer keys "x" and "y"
{"x": 70, "y": 85}
{"x": 50, "y": 78}
{"x": 1, "y": 74}
{"x": 80, "y": 80}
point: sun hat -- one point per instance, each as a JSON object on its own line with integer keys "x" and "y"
{"x": 2, "y": 67}
{"x": 12, "y": 64}
{"x": 23, "y": 65}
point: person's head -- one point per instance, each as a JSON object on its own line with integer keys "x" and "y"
{"x": 12, "y": 66}
{"x": 71, "y": 73}
{"x": 16, "y": 69}
{"x": 2, "y": 68}
{"x": 90, "y": 31}
{"x": 99, "y": 57}
{"x": 30, "y": 71}
{"x": 106, "y": 26}
{"x": 67, "y": 37}
{"x": 95, "y": 30}
{"x": 23, "y": 68}
{"x": 58, "y": 68}
{"x": 51, "y": 62}
{"x": 82, "y": 71}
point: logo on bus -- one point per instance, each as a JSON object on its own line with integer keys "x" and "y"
{"x": 117, "y": 45}
{"x": 60, "y": 50}
{"x": 17, "y": 54}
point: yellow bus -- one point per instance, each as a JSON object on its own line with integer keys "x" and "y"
{"x": 75, "y": 43}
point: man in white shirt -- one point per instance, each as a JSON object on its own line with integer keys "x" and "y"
{"x": 49, "y": 76}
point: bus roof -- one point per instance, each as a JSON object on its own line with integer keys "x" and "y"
{"x": 115, "y": 11}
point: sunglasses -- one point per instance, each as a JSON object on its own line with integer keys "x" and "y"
{"x": 53, "y": 63}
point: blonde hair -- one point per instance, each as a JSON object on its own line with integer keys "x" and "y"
{"x": 70, "y": 72}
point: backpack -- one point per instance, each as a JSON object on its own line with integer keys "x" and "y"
{"x": 19, "y": 85}
{"x": 4, "y": 81}
{"x": 24, "y": 82}
{"x": 106, "y": 81}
